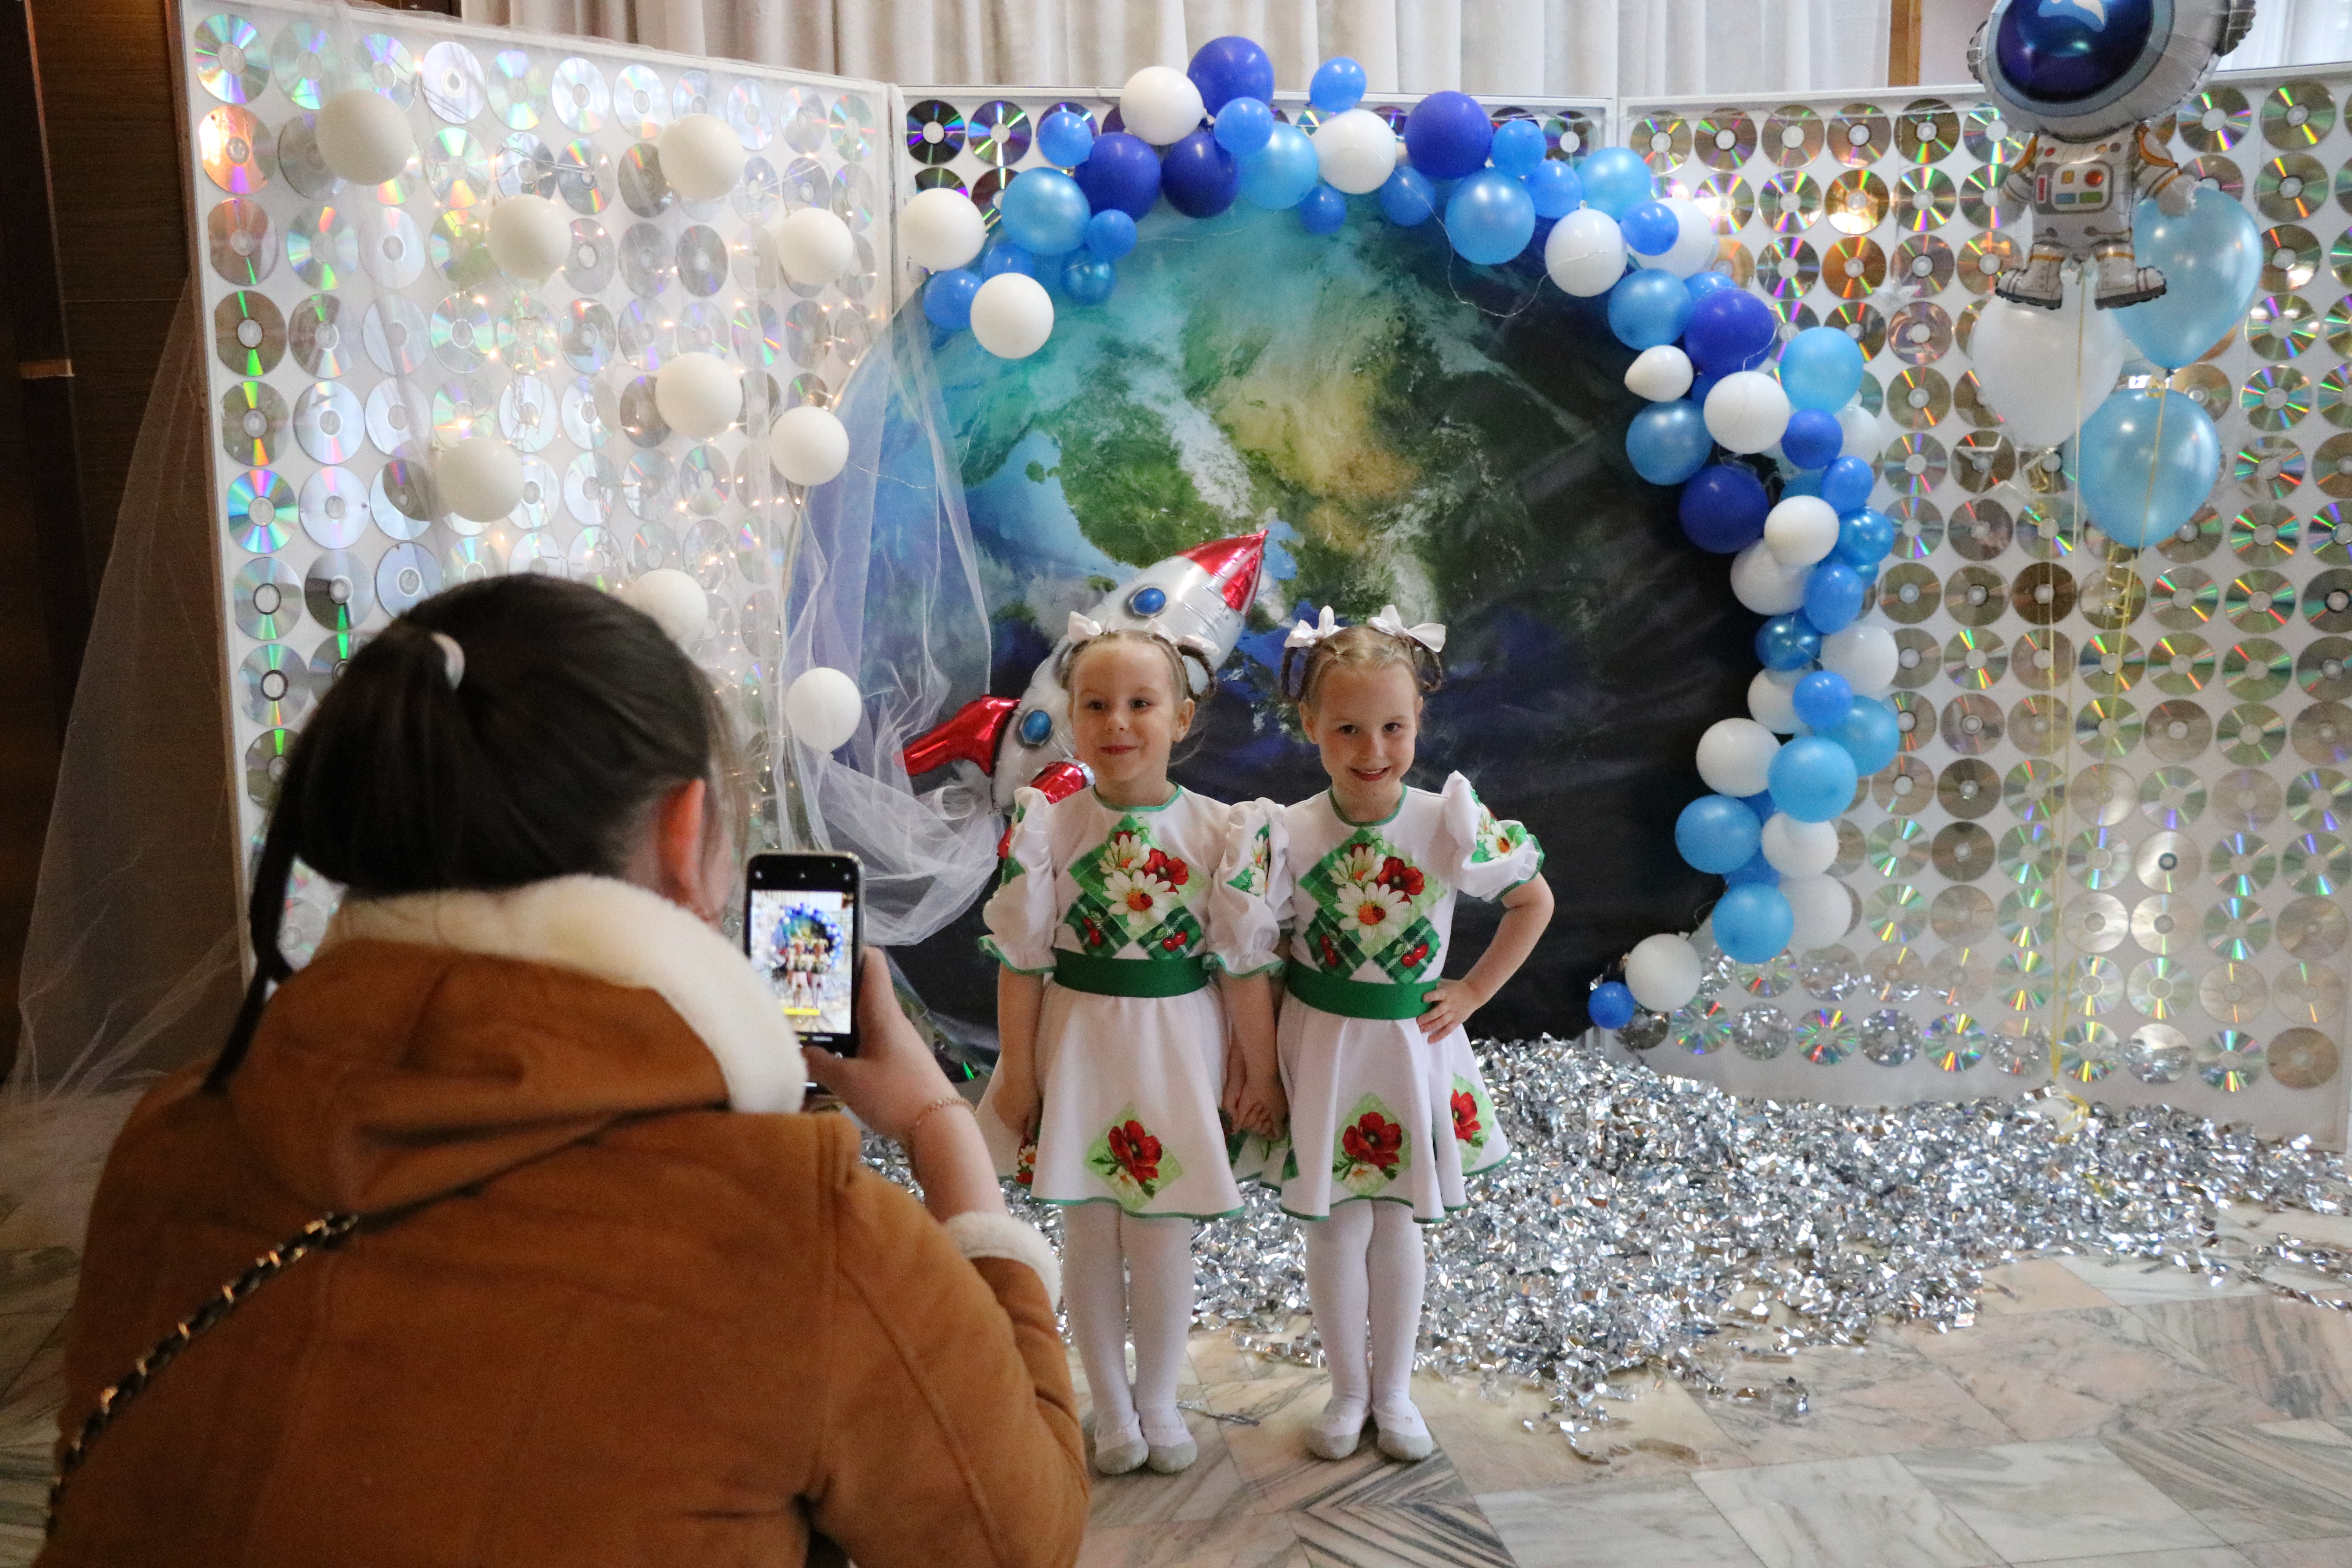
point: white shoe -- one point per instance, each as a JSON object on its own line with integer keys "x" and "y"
{"x": 1169, "y": 1440}
{"x": 1120, "y": 1449}
{"x": 1403, "y": 1435}
{"x": 1337, "y": 1430}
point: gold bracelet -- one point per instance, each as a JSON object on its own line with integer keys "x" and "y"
{"x": 907, "y": 1139}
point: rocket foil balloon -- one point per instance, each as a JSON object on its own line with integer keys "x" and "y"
{"x": 1199, "y": 599}
{"x": 2085, "y": 78}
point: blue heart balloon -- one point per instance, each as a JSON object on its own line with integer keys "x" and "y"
{"x": 2144, "y": 466}
{"x": 2212, "y": 258}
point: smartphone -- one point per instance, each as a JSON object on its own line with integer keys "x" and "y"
{"x": 802, "y": 928}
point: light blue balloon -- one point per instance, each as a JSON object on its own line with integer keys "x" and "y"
{"x": 1668, "y": 442}
{"x": 1338, "y": 85}
{"x": 1087, "y": 279}
{"x": 1407, "y": 197}
{"x": 1648, "y": 308}
{"x": 1870, "y": 734}
{"x": 1615, "y": 180}
{"x": 1555, "y": 189}
{"x": 1821, "y": 368}
{"x": 1110, "y": 233}
{"x": 2144, "y": 467}
{"x": 1490, "y": 217}
{"x": 1753, "y": 922}
{"x": 1517, "y": 148}
{"x": 1242, "y": 126}
{"x": 1044, "y": 212}
{"x": 1812, "y": 779}
{"x": 2212, "y": 258}
{"x": 1717, "y": 834}
{"x": 1064, "y": 138}
{"x": 1278, "y": 175}
{"x": 1832, "y": 596}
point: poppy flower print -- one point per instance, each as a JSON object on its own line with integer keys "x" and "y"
{"x": 1134, "y": 1163}
{"x": 1473, "y": 1124}
{"x": 1133, "y": 894}
{"x": 1373, "y": 1148}
{"x": 1371, "y": 906}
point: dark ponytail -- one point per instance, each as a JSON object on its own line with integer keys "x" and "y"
{"x": 535, "y": 751}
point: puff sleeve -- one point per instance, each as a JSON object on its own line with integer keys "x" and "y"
{"x": 1485, "y": 857}
{"x": 1249, "y": 903}
{"x": 1021, "y": 913}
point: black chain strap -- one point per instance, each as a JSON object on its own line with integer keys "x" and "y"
{"x": 326, "y": 1232}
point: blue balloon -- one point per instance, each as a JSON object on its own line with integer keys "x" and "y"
{"x": 1846, "y": 484}
{"x": 1197, "y": 176}
{"x": 1833, "y": 596}
{"x": 1787, "y": 642}
{"x": 1702, "y": 284}
{"x": 947, "y": 297}
{"x": 1864, "y": 536}
{"x": 1337, "y": 86}
{"x": 1003, "y": 256}
{"x": 1278, "y": 175}
{"x": 1821, "y": 368}
{"x": 1407, "y": 198}
{"x": 1554, "y": 188}
{"x": 1760, "y": 803}
{"x": 1668, "y": 441}
{"x": 1325, "y": 210}
{"x": 1448, "y": 135}
{"x": 1647, "y": 308}
{"x": 1716, "y": 833}
{"x": 1812, "y": 778}
{"x": 2212, "y": 263}
{"x": 1812, "y": 438}
{"x": 1242, "y": 126}
{"x": 1044, "y": 212}
{"x": 1650, "y": 229}
{"x": 1612, "y": 1006}
{"x": 1066, "y": 138}
{"x": 1490, "y": 217}
{"x": 1755, "y": 868}
{"x": 1615, "y": 178}
{"x": 1803, "y": 483}
{"x": 1110, "y": 233}
{"x": 1087, "y": 279}
{"x": 1701, "y": 385}
{"x": 1730, "y": 330}
{"x": 1869, "y": 733}
{"x": 1753, "y": 922}
{"x": 1229, "y": 67}
{"x": 2144, "y": 467}
{"x": 1822, "y": 699}
{"x": 1518, "y": 147}
{"x": 1121, "y": 172}
{"x": 1723, "y": 508}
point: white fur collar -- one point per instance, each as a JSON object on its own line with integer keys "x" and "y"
{"x": 622, "y": 934}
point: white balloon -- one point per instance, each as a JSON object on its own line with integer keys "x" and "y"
{"x": 1865, "y": 655}
{"x": 1861, "y": 427}
{"x": 480, "y": 479}
{"x": 1695, "y": 240}
{"x": 1735, "y": 757}
{"x": 1357, "y": 152}
{"x": 1824, "y": 908}
{"x": 1585, "y": 253}
{"x": 813, "y": 246}
{"x": 1161, "y": 104}
{"x": 1661, "y": 375}
{"x": 1801, "y": 531}
{"x": 675, "y": 601}
{"x": 940, "y": 228}
{"x": 822, "y": 707}
{"x": 1662, "y": 972}
{"x": 1764, "y": 584}
{"x": 1746, "y": 411}
{"x": 808, "y": 444}
{"x": 701, "y": 157}
{"x": 2025, "y": 359}
{"x": 1797, "y": 848}
{"x": 697, "y": 395}
{"x": 530, "y": 238}
{"x": 1770, "y": 698}
{"x": 1012, "y": 315}
{"x": 363, "y": 136}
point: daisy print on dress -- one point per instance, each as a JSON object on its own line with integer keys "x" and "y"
{"x": 1493, "y": 840}
{"x": 1250, "y": 882}
{"x": 1132, "y": 1161}
{"x": 1373, "y": 1150}
{"x": 1131, "y": 891}
{"x": 1369, "y": 900}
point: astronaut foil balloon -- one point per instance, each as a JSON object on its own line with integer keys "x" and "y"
{"x": 2084, "y": 77}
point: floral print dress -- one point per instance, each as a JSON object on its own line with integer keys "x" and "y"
{"x": 1377, "y": 1111}
{"x": 1114, "y": 900}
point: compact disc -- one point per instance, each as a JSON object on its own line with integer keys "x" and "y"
{"x": 300, "y": 160}
{"x": 2033, "y": 791}
{"x": 397, "y": 335}
{"x": 260, "y": 506}
{"x": 1922, "y": 267}
{"x": 471, "y": 560}
{"x": 2168, "y": 862}
{"x": 2215, "y": 173}
{"x": 2112, "y": 595}
{"x": 527, "y": 336}
{"x": 2295, "y": 116}
{"x": 2333, "y": 397}
{"x": 997, "y": 135}
{"x": 1793, "y": 136}
{"x": 1981, "y": 529}
{"x": 1962, "y": 851}
{"x": 316, "y": 337}
{"x": 518, "y": 89}
{"x": 1984, "y": 205}
{"x": 338, "y": 591}
{"x": 306, "y": 63}
{"x": 2251, "y": 734}
{"x": 323, "y": 247}
{"x": 1858, "y": 136}
{"x": 581, "y": 102}
{"x": 398, "y": 413}
{"x": 2086, "y": 1052}
{"x": 648, "y": 261}
{"x": 1974, "y": 661}
{"x": 1962, "y": 915}
{"x": 1857, "y": 202}
{"x": 647, "y": 334}
{"x": 2302, "y": 1058}
{"x": 2095, "y": 922}
{"x": 2158, "y": 1053}
{"x": 2215, "y": 121}
{"x": 2095, "y": 985}
{"x": 393, "y": 248}
{"x": 2159, "y": 988}
{"x": 934, "y": 132}
{"x": 1912, "y": 465}
{"x": 585, "y": 413}
{"x": 462, "y": 332}
{"x": 2158, "y": 924}
{"x": 1972, "y": 724}
{"x": 234, "y": 147}
{"x": 252, "y": 423}
{"x": 591, "y": 485}
{"x": 587, "y": 337}
{"x": 2029, "y": 853}
{"x": 1920, "y": 334}
{"x": 2232, "y": 992}
{"x": 240, "y": 242}
{"x": 2291, "y": 186}
{"x": 1786, "y": 270}
{"x": 453, "y": 82}
{"x": 389, "y": 67}
{"x": 1722, "y": 139}
{"x": 264, "y": 766}
{"x": 1663, "y": 141}
{"x": 401, "y": 499}
{"x": 1919, "y": 658}
{"x": 591, "y": 263}
{"x": 328, "y": 422}
{"x": 2100, "y": 857}
{"x": 2044, "y": 593}
{"x": 647, "y": 481}
{"x": 1926, "y": 130}
{"x": 2242, "y": 864}
{"x": 249, "y": 334}
{"x": 591, "y": 558}
{"x": 1975, "y": 596}
{"x": 1984, "y": 258}
{"x": 690, "y": 94}
{"x": 2319, "y": 801}
{"x": 2039, "y": 726}
{"x": 527, "y": 414}
{"x": 2177, "y": 730}
{"x": 2316, "y": 864}
{"x": 2042, "y": 659}
{"x": 1915, "y": 718}
{"x": 274, "y": 685}
{"x": 1968, "y": 788}
{"x": 406, "y": 575}
{"x": 2171, "y": 797}
{"x": 2327, "y": 601}
{"x": 701, "y": 260}
{"x": 460, "y": 405}
{"x": 523, "y": 166}
{"x": 539, "y": 552}
{"x": 333, "y": 508}
{"x": 2256, "y": 668}
{"x": 2280, "y": 326}
{"x": 2236, "y": 929}
{"x": 583, "y": 177}
{"x": 1790, "y": 203}
{"x": 2184, "y": 598}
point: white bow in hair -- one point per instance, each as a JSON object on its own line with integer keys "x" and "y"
{"x": 1428, "y": 633}
{"x": 1083, "y": 628}
{"x": 1303, "y": 635}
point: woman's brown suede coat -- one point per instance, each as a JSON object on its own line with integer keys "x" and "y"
{"x": 628, "y": 1326}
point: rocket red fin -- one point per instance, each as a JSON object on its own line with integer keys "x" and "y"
{"x": 1061, "y": 781}
{"x": 970, "y": 733}
{"x": 1233, "y": 564}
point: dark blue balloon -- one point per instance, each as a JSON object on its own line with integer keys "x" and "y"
{"x": 1865, "y": 537}
{"x": 1846, "y": 485}
{"x": 1760, "y": 803}
{"x": 1324, "y": 211}
{"x": 1833, "y": 598}
{"x": 1448, "y": 135}
{"x": 1612, "y": 1006}
{"x": 1199, "y": 177}
{"x": 1701, "y": 385}
{"x": 1668, "y": 442}
{"x": 1822, "y": 699}
{"x": 1337, "y": 86}
{"x": 1754, "y": 871}
{"x": 1729, "y": 330}
{"x": 1087, "y": 279}
{"x": 1064, "y": 138}
{"x": 1003, "y": 256}
{"x": 1786, "y": 642}
{"x": 1812, "y": 438}
{"x": 1702, "y": 284}
{"x": 1554, "y": 188}
{"x": 1110, "y": 233}
{"x": 1723, "y": 508}
{"x": 947, "y": 297}
{"x": 2062, "y": 51}
{"x": 1407, "y": 198}
{"x": 1650, "y": 229}
{"x": 1714, "y": 833}
{"x": 1121, "y": 172}
{"x": 1869, "y": 735}
{"x": 1230, "y": 68}
{"x": 1648, "y": 308}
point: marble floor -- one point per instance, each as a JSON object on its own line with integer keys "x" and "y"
{"x": 2096, "y": 1416}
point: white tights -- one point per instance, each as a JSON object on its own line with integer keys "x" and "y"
{"x": 1365, "y": 1273}
{"x": 1122, "y": 1274}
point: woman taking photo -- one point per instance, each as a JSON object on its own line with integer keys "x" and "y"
{"x": 608, "y": 1298}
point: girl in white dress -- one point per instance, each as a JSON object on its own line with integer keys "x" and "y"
{"x": 1113, "y": 1044}
{"x": 1388, "y": 1112}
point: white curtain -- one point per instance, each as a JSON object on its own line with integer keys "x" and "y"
{"x": 2295, "y": 32}
{"x": 1630, "y": 48}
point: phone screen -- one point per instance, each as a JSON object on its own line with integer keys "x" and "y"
{"x": 804, "y": 940}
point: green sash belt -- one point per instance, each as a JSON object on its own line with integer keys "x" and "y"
{"x": 1129, "y": 976}
{"x": 1355, "y": 998}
